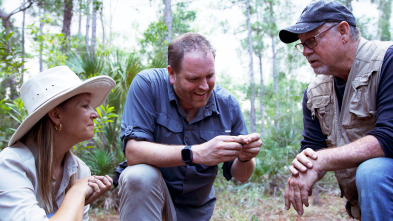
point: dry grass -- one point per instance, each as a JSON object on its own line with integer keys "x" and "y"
{"x": 232, "y": 207}
{"x": 251, "y": 202}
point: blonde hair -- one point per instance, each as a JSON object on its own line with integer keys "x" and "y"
{"x": 42, "y": 136}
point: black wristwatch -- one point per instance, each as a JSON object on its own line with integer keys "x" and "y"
{"x": 186, "y": 155}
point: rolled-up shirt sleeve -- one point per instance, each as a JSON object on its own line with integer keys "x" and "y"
{"x": 139, "y": 114}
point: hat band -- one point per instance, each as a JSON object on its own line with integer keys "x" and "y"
{"x": 50, "y": 99}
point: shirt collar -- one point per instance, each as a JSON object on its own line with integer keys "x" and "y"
{"x": 70, "y": 164}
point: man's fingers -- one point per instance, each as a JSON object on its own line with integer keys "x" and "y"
{"x": 253, "y": 144}
{"x": 286, "y": 197}
{"x": 303, "y": 160}
{"x": 232, "y": 146}
{"x": 298, "y": 165}
{"x": 294, "y": 171}
{"x": 236, "y": 139}
{"x": 311, "y": 153}
{"x": 297, "y": 204}
{"x": 304, "y": 195}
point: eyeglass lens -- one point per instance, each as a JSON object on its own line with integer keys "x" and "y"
{"x": 310, "y": 43}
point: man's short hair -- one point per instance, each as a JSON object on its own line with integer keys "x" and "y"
{"x": 186, "y": 43}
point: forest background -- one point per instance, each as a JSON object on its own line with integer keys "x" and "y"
{"x": 119, "y": 38}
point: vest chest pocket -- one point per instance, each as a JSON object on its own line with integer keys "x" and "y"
{"x": 322, "y": 108}
{"x": 362, "y": 103}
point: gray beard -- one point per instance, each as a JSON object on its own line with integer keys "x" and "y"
{"x": 322, "y": 70}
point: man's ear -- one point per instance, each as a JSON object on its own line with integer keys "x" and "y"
{"x": 172, "y": 75}
{"x": 343, "y": 29}
{"x": 54, "y": 115}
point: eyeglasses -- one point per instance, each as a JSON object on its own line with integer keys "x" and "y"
{"x": 311, "y": 42}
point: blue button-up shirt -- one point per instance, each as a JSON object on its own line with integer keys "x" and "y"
{"x": 153, "y": 113}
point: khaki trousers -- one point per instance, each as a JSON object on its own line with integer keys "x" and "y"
{"x": 144, "y": 195}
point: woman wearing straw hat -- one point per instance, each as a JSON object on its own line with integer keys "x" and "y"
{"x": 41, "y": 178}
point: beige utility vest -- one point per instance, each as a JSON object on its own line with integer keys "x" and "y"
{"x": 358, "y": 109}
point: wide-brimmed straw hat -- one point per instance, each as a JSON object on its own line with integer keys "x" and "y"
{"x": 46, "y": 90}
{"x": 315, "y": 15}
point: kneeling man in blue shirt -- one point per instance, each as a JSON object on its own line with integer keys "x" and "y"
{"x": 177, "y": 126}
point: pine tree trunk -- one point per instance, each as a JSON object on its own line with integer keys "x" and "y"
{"x": 261, "y": 96}
{"x": 103, "y": 27}
{"x": 41, "y": 13}
{"x": 275, "y": 79}
{"x": 67, "y": 18}
{"x": 251, "y": 67}
{"x": 87, "y": 26}
{"x": 23, "y": 40}
{"x": 168, "y": 19}
{"x": 80, "y": 22}
{"x": 110, "y": 23}
{"x": 93, "y": 30}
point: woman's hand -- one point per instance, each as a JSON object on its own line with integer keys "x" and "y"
{"x": 99, "y": 185}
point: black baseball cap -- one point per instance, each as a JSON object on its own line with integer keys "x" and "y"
{"x": 315, "y": 15}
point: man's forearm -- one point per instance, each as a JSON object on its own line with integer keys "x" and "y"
{"x": 242, "y": 171}
{"x": 350, "y": 155}
{"x": 159, "y": 155}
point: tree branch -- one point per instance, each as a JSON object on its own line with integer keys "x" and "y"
{"x": 20, "y": 9}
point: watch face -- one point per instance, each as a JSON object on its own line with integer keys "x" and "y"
{"x": 186, "y": 155}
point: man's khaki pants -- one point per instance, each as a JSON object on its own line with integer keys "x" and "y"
{"x": 144, "y": 195}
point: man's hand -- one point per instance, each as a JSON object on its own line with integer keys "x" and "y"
{"x": 217, "y": 150}
{"x": 299, "y": 189}
{"x": 299, "y": 186}
{"x": 303, "y": 161}
{"x": 251, "y": 145}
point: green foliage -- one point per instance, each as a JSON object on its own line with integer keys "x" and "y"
{"x": 123, "y": 70}
{"x": 87, "y": 64}
{"x": 11, "y": 73}
{"x": 5, "y": 131}
{"x": 279, "y": 149}
{"x": 105, "y": 115}
{"x": 182, "y": 18}
{"x": 17, "y": 110}
{"x": 48, "y": 45}
{"x": 100, "y": 162}
{"x": 12, "y": 114}
{"x": 10, "y": 57}
{"x": 385, "y": 8}
{"x": 11, "y": 68}
{"x": 154, "y": 44}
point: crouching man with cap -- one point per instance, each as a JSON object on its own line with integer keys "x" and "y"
{"x": 347, "y": 111}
